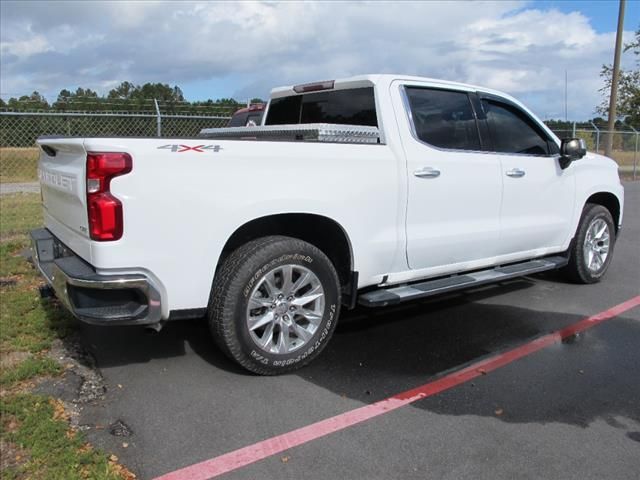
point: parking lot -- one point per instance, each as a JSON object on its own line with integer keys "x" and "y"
{"x": 565, "y": 408}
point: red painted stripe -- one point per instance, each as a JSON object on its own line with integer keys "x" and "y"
{"x": 272, "y": 446}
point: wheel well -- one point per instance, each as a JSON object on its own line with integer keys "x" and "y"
{"x": 322, "y": 232}
{"x": 610, "y": 202}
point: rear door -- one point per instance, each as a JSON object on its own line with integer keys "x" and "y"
{"x": 454, "y": 189}
{"x": 538, "y": 195}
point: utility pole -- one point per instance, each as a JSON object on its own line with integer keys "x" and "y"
{"x": 608, "y": 146}
{"x": 566, "y": 108}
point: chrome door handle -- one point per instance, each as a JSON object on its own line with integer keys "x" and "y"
{"x": 515, "y": 173}
{"x": 427, "y": 172}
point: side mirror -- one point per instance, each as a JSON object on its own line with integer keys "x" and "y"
{"x": 571, "y": 149}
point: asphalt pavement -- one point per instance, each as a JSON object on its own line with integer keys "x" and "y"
{"x": 570, "y": 410}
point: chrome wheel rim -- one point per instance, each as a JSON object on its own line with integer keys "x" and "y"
{"x": 285, "y": 309}
{"x": 596, "y": 245}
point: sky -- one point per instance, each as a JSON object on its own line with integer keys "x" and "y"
{"x": 243, "y": 49}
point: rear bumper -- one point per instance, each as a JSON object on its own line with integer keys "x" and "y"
{"x": 124, "y": 299}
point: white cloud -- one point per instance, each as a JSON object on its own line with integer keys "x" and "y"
{"x": 503, "y": 45}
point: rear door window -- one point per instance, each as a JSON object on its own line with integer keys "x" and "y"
{"x": 355, "y": 106}
{"x": 443, "y": 118}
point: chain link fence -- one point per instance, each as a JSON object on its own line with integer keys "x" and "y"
{"x": 626, "y": 145}
{"x": 19, "y": 131}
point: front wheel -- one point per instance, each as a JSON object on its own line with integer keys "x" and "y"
{"x": 274, "y": 304}
{"x": 593, "y": 247}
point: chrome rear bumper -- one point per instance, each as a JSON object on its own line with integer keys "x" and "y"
{"x": 129, "y": 299}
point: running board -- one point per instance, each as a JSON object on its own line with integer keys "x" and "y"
{"x": 393, "y": 295}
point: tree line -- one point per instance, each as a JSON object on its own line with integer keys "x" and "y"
{"x": 126, "y": 97}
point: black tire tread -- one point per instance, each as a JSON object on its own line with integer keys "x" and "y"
{"x": 228, "y": 280}
{"x": 575, "y": 270}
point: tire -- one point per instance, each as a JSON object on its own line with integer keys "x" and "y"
{"x": 580, "y": 269}
{"x": 286, "y": 333}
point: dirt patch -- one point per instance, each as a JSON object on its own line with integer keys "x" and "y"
{"x": 11, "y": 456}
{"x": 8, "y": 281}
{"x": 9, "y": 423}
{"x": 11, "y": 359}
{"x": 80, "y": 384}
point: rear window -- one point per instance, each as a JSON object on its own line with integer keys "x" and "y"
{"x": 355, "y": 106}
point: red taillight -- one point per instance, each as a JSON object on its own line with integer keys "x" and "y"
{"x": 105, "y": 210}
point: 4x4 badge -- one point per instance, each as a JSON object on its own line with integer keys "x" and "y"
{"x": 189, "y": 148}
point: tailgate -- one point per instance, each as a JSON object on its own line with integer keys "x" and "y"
{"x": 61, "y": 171}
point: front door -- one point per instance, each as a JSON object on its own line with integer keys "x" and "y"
{"x": 538, "y": 196}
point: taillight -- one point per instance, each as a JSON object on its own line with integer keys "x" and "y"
{"x": 105, "y": 210}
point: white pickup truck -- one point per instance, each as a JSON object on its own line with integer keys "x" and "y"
{"x": 370, "y": 190}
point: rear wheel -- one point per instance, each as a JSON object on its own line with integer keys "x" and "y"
{"x": 593, "y": 247}
{"x": 274, "y": 304}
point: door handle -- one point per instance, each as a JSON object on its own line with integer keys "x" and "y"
{"x": 515, "y": 173}
{"x": 427, "y": 172}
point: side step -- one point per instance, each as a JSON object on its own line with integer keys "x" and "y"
{"x": 404, "y": 293}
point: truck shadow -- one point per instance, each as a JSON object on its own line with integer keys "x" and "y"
{"x": 122, "y": 345}
{"x": 378, "y": 353}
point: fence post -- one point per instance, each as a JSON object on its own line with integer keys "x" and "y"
{"x": 158, "y": 119}
{"x": 635, "y": 157}
{"x": 597, "y": 136}
{"x": 573, "y": 135}
{"x": 635, "y": 153}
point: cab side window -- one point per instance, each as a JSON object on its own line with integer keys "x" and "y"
{"x": 443, "y": 118}
{"x": 513, "y": 132}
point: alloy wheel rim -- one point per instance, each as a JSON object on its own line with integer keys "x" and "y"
{"x": 596, "y": 245}
{"x": 285, "y": 309}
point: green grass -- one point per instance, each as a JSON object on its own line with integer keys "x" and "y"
{"x": 19, "y": 213}
{"x": 18, "y": 164}
{"x": 35, "y": 425}
{"x": 33, "y": 366}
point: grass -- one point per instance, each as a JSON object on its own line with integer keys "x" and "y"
{"x": 20, "y": 212}
{"x": 39, "y": 430}
{"x": 35, "y": 435}
{"x": 34, "y": 366}
{"x": 624, "y": 158}
{"x": 18, "y": 164}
